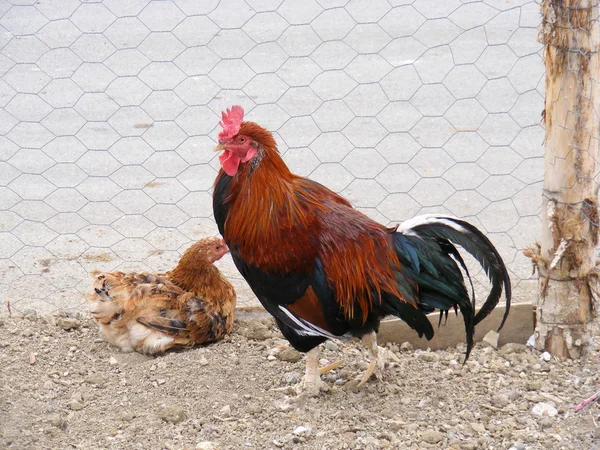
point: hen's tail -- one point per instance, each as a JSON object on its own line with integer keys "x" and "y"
{"x": 426, "y": 247}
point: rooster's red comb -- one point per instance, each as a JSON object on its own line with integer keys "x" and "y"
{"x": 231, "y": 121}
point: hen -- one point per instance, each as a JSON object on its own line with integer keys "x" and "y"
{"x": 324, "y": 269}
{"x": 151, "y": 313}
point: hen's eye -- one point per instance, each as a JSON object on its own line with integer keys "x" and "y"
{"x": 242, "y": 139}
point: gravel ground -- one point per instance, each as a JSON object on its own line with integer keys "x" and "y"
{"x": 62, "y": 387}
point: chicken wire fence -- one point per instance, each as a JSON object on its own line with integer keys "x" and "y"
{"x": 110, "y": 112}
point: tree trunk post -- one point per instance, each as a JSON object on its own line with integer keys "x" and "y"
{"x": 566, "y": 257}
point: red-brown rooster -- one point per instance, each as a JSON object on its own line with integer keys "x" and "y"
{"x": 325, "y": 270}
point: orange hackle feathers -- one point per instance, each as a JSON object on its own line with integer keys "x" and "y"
{"x": 150, "y": 313}
{"x": 360, "y": 268}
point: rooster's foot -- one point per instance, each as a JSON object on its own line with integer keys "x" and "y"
{"x": 378, "y": 357}
{"x": 311, "y": 383}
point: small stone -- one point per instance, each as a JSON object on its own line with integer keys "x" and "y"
{"x": 431, "y": 436}
{"x": 49, "y": 319}
{"x": 512, "y": 347}
{"x": 406, "y": 347}
{"x": 534, "y": 386}
{"x": 30, "y": 314}
{"x": 428, "y": 356}
{"x": 203, "y": 361}
{"x": 513, "y": 395}
{"x": 161, "y": 381}
{"x": 330, "y": 345}
{"x": 290, "y": 355}
{"x": 284, "y": 406}
{"x": 518, "y": 446}
{"x": 369, "y": 442}
{"x": 27, "y": 332}
{"x": 531, "y": 341}
{"x": 544, "y": 409}
{"x": 352, "y": 385}
{"x": 273, "y": 351}
{"x": 546, "y": 356}
{"x": 127, "y": 416}
{"x": 491, "y": 338}
{"x": 162, "y": 365}
{"x": 172, "y": 415}
{"x": 500, "y": 400}
{"x": 96, "y": 379}
{"x": 474, "y": 366}
{"x": 396, "y": 425}
{"x": 546, "y": 422}
{"x": 302, "y": 430}
{"x": 56, "y": 420}
{"x": 225, "y": 411}
{"x": 75, "y": 405}
{"x": 113, "y": 361}
{"x": 257, "y": 331}
{"x": 478, "y": 427}
{"x": 254, "y": 409}
{"x": 32, "y": 359}
{"x": 206, "y": 445}
{"x": 67, "y": 323}
{"x": 292, "y": 377}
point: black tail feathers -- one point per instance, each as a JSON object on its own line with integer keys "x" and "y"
{"x": 426, "y": 247}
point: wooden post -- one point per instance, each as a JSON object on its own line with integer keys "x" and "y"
{"x": 566, "y": 258}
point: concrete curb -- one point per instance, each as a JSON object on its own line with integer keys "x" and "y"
{"x": 517, "y": 329}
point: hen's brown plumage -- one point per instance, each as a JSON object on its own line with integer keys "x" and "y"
{"x": 151, "y": 313}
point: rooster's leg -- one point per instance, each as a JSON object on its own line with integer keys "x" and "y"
{"x": 311, "y": 382}
{"x": 377, "y": 358}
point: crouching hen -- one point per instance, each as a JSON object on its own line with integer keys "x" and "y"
{"x": 323, "y": 269}
{"x": 151, "y": 313}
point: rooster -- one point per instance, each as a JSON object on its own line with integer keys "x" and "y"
{"x": 151, "y": 313}
{"x": 323, "y": 269}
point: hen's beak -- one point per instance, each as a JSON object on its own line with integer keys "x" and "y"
{"x": 225, "y": 247}
{"x": 219, "y": 148}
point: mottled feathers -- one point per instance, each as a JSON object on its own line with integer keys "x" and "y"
{"x": 150, "y": 313}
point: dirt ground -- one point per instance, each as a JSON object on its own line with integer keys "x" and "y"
{"x": 62, "y": 387}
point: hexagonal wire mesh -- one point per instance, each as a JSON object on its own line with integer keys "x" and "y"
{"x": 110, "y": 111}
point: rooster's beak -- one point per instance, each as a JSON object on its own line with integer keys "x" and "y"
{"x": 219, "y": 148}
